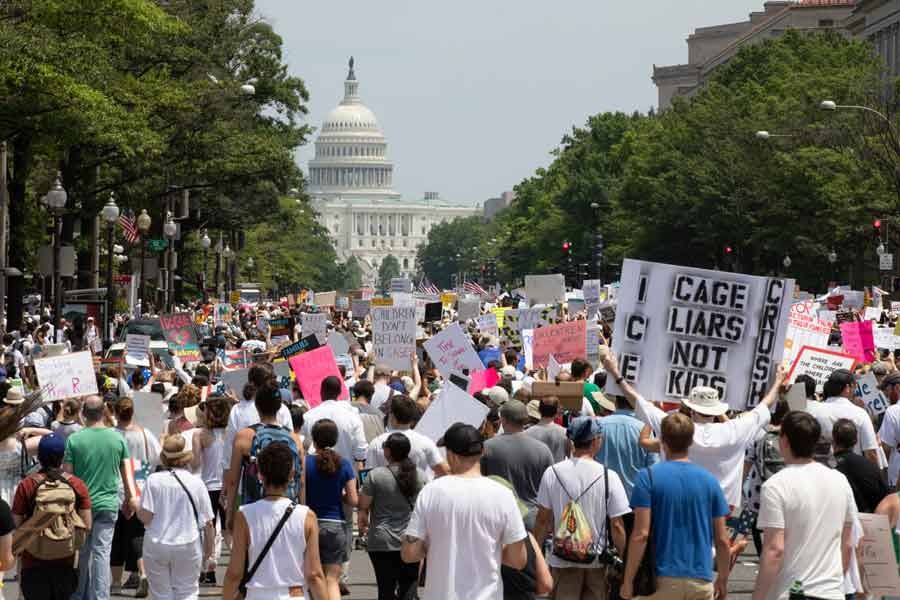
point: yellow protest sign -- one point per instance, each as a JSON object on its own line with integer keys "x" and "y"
{"x": 448, "y": 299}
{"x": 235, "y": 297}
{"x": 499, "y": 311}
{"x": 382, "y": 302}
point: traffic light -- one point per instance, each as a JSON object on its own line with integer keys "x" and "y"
{"x": 876, "y": 229}
{"x": 729, "y": 250}
{"x": 567, "y": 248}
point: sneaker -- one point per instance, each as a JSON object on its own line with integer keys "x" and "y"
{"x": 345, "y": 591}
{"x": 132, "y": 582}
{"x": 115, "y": 589}
{"x": 143, "y": 589}
{"x": 208, "y": 579}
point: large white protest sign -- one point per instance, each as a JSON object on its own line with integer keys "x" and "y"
{"x": 235, "y": 380}
{"x": 452, "y": 406}
{"x": 315, "y": 324}
{"x": 805, "y": 329}
{"x": 402, "y": 285}
{"x": 528, "y": 347}
{"x": 878, "y": 567}
{"x": 487, "y": 324}
{"x": 137, "y": 349}
{"x": 593, "y": 341}
{"x": 869, "y": 394}
{"x": 682, "y": 327}
{"x": 66, "y": 375}
{"x": 451, "y": 351}
{"x": 282, "y": 370}
{"x": 339, "y": 344}
{"x": 885, "y": 338}
{"x": 871, "y": 314}
{"x": 819, "y": 363}
{"x": 468, "y": 308}
{"x": 394, "y": 335}
{"x": 545, "y": 289}
{"x": 360, "y": 308}
{"x": 403, "y": 299}
{"x": 590, "y": 290}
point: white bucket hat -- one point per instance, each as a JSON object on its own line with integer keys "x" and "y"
{"x": 705, "y": 400}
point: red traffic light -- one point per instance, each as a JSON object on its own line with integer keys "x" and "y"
{"x": 567, "y": 246}
{"x": 728, "y": 249}
{"x": 877, "y": 224}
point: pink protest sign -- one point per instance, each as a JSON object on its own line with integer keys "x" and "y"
{"x": 859, "y": 340}
{"x": 311, "y": 368}
{"x": 480, "y": 380}
{"x": 565, "y": 341}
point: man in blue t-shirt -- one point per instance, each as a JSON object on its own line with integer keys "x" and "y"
{"x": 687, "y": 510}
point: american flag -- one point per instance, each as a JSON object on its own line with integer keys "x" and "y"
{"x": 426, "y": 287}
{"x": 129, "y": 226}
{"x": 474, "y": 288}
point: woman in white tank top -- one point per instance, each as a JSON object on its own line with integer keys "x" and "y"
{"x": 208, "y": 444}
{"x": 292, "y": 565}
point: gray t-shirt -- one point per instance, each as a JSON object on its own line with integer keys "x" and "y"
{"x": 390, "y": 511}
{"x": 521, "y": 460}
{"x": 553, "y": 436}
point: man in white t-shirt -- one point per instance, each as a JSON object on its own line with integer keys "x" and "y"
{"x": 599, "y": 492}
{"x": 351, "y": 442}
{"x": 466, "y": 525}
{"x": 889, "y": 434}
{"x": 806, "y": 514}
{"x": 839, "y": 390}
{"x": 423, "y": 451}
{"x": 719, "y": 447}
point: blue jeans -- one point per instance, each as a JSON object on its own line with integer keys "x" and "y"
{"x": 94, "y": 577}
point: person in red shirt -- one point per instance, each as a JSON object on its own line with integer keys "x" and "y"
{"x": 49, "y": 579}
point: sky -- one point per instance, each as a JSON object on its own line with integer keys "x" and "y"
{"x": 473, "y": 95}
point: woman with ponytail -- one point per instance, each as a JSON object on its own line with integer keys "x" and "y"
{"x": 386, "y": 501}
{"x": 329, "y": 483}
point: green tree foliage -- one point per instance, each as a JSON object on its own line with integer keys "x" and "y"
{"x": 352, "y": 274}
{"x": 389, "y": 268}
{"x": 452, "y": 248}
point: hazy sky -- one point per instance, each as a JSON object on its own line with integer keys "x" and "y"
{"x": 473, "y": 95}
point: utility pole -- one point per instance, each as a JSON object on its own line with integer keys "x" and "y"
{"x": 4, "y": 202}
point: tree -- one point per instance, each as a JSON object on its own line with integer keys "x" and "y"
{"x": 389, "y": 269}
{"x": 352, "y": 274}
{"x": 437, "y": 257}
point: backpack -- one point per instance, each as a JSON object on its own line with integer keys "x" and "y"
{"x": 768, "y": 454}
{"x": 574, "y": 539}
{"x": 252, "y": 488}
{"x": 55, "y": 530}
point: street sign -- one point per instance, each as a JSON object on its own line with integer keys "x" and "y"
{"x": 887, "y": 262}
{"x": 235, "y": 297}
{"x": 157, "y": 245}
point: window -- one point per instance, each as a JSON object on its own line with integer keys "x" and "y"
{"x": 405, "y": 243}
{"x": 826, "y": 22}
{"x": 423, "y": 230}
{"x": 373, "y": 243}
{"x": 405, "y": 263}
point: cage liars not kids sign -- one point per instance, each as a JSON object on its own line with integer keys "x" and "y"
{"x": 681, "y": 327}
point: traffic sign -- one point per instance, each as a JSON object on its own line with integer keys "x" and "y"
{"x": 157, "y": 245}
{"x": 887, "y": 262}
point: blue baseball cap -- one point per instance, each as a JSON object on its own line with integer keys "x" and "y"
{"x": 583, "y": 429}
{"x": 51, "y": 447}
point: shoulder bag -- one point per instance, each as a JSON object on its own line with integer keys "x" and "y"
{"x": 193, "y": 504}
{"x": 248, "y": 575}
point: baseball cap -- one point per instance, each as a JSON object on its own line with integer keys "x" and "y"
{"x": 514, "y": 411}
{"x": 462, "y": 439}
{"x": 50, "y": 447}
{"x": 583, "y": 429}
{"x": 889, "y": 380}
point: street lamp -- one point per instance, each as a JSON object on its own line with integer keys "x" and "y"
{"x": 227, "y": 254}
{"x": 787, "y": 262}
{"x": 169, "y": 231}
{"x": 250, "y": 265}
{"x": 206, "y": 243}
{"x": 143, "y": 225}
{"x": 832, "y": 258}
{"x": 55, "y": 202}
{"x": 831, "y": 106}
{"x": 598, "y": 241}
{"x": 880, "y": 249}
{"x": 765, "y": 136}
{"x": 110, "y": 214}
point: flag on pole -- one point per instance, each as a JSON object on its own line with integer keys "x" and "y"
{"x": 474, "y": 288}
{"x": 129, "y": 226}
{"x": 426, "y": 287}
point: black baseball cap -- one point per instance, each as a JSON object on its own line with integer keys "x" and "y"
{"x": 462, "y": 439}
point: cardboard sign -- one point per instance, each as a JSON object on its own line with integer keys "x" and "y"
{"x": 570, "y": 393}
{"x": 487, "y": 324}
{"x": 805, "y": 328}
{"x": 311, "y": 368}
{"x": 878, "y": 565}
{"x": 325, "y": 299}
{"x": 682, "y": 327}
{"x": 434, "y": 311}
{"x": 545, "y": 289}
{"x": 360, "y": 308}
{"x": 66, "y": 375}
{"x": 137, "y": 349}
{"x": 381, "y": 302}
{"x": 394, "y": 336}
{"x": 858, "y": 340}
{"x": 819, "y": 363}
{"x": 453, "y": 405}
{"x": 565, "y": 341}
{"x": 310, "y": 342}
{"x": 451, "y": 350}
{"x": 315, "y": 324}
{"x": 179, "y": 331}
{"x": 281, "y": 327}
{"x": 872, "y": 398}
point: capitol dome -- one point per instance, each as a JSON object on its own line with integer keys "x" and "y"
{"x": 351, "y": 151}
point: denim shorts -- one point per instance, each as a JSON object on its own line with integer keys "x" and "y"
{"x": 332, "y": 542}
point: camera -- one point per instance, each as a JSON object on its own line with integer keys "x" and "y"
{"x": 612, "y": 561}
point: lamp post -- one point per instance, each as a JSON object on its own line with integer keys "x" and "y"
{"x": 787, "y": 262}
{"x": 169, "y": 231}
{"x": 110, "y": 214}
{"x": 227, "y": 254}
{"x": 55, "y": 201}
{"x": 832, "y": 259}
{"x": 143, "y": 225}
{"x": 206, "y": 243}
{"x": 218, "y": 264}
{"x": 250, "y": 265}
{"x": 598, "y": 242}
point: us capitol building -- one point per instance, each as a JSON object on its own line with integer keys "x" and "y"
{"x": 350, "y": 183}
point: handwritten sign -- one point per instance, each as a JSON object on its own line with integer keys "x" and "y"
{"x": 315, "y": 324}
{"x": 878, "y": 565}
{"x": 360, "y": 308}
{"x": 481, "y": 380}
{"x": 565, "y": 341}
{"x": 451, "y": 350}
{"x": 452, "y": 406}
{"x": 67, "y": 375}
{"x": 859, "y": 341}
{"x": 311, "y": 368}
{"x": 468, "y": 308}
{"x": 179, "y": 331}
{"x": 545, "y": 289}
{"x": 394, "y": 335}
{"x": 137, "y": 349}
{"x": 872, "y": 398}
{"x": 819, "y": 363}
{"x": 325, "y": 298}
{"x": 487, "y": 324}
{"x": 805, "y": 328}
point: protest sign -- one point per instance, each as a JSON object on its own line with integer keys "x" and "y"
{"x": 360, "y": 308}
{"x": 394, "y": 335}
{"x": 517, "y": 320}
{"x": 878, "y": 564}
{"x": 858, "y": 340}
{"x": 315, "y": 324}
{"x": 854, "y": 299}
{"x": 565, "y": 341}
{"x": 402, "y": 285}
{"x": 592, "y": 343}
{"x": 179, "y": 331}
{"x": 403, "y": 299}
{"x": 282, "y": 370}
{"x": 570, "y": 393}
{"x": 311, "y": 368}
{"x": 528, "y": 347}
{"x": 325, "y": 299}
{"x": 434, "y": 311}
{"x": 468, "y": 308}
{"x": 137, "y": 349}
{"x": 281, "y": 327}
{"x": 310, "y": 342}
{"x": 233, "y": 359}
{"x": 451, "y": 350}
{"x": 590, "y": 291}
{"x": 481, "y": 380}
{"x": 235, "y": 381}
{"x": 575, "y": 306}
{"x": 500, "y": 313}
{"x": 453, "y": 405}
{"x": 885, "y": 338}
{"x": 553, "y": 369}
{"x": 682, "y": 327}
{"x": 420, "y": 310}
{"x": 805, "y": 328}
{"x": 846, "y": 316}
{"x": 381, "y": 302}
{"x": 545, "y": 289}
{"x": 222, "y": 314}
{"x": 868, "y": 393}
{"x": 819, "y": 363}
{"x": 796, "y": 397}
{"x": 448, "y": 298}
{"x": 487, "y": 324}
{"x": 339, "y": 344}
{"x": 66, "y": 375}
{"x": 871, "y": 314}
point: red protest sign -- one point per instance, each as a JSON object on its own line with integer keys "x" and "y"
{"x": 565, "y": 341}
{"x": 311, "y": 368}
